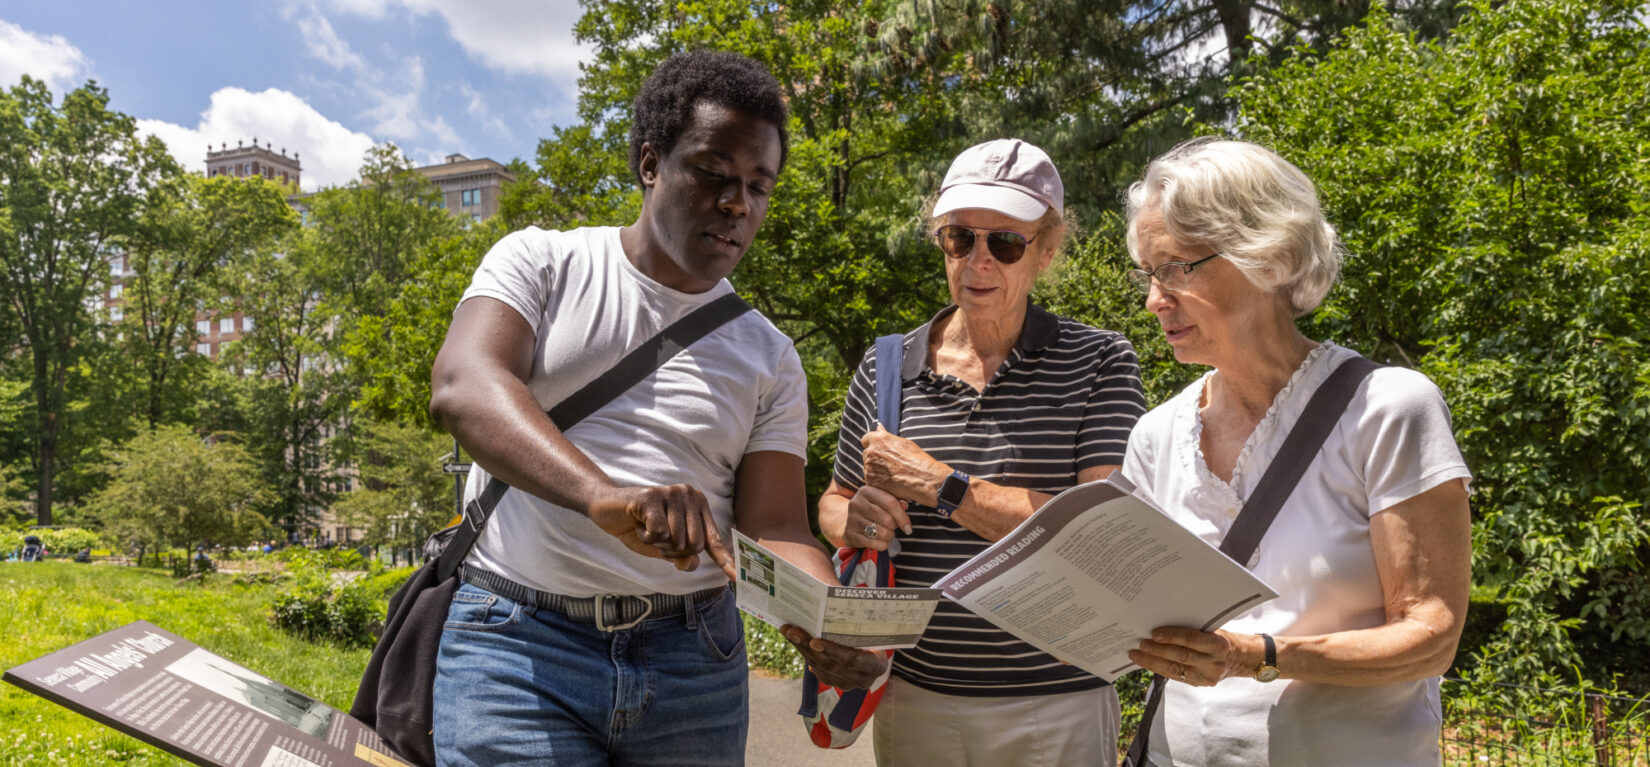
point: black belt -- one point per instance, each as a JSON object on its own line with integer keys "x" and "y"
{"x": 610, "y": 612}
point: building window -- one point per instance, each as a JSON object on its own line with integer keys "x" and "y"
{"x": 469, "y": 197}
{"x": 246, "y": 324}
{"x": 204, "y": 350}
{"x": 226, "y": 325}
{"x": 116, "y": 289}
{"x": 203, "y": 326}
{"x": 116, "y": 314}
{"x": 240, "y": 169}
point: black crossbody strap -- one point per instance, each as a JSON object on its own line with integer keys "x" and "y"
{"x": 637, "y": 365}
{"x": 1305, "y": 439}
{"x": 1299, "y": 449}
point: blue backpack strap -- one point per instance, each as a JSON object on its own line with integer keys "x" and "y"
{"x": 890, "y": 358}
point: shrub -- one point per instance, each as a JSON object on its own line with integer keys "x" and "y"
{"x": 322, "y": 604}
{"x": 337, "y": 558}
{"x": 767, "y": 649}
{"x": 60, "y": 541}
{"x": 1491, "y": 187}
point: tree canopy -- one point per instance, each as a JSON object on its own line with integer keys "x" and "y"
{"x": 1492, "y": 191}
{"x": 74, "y": 177}
{"x": 171, "y": 487}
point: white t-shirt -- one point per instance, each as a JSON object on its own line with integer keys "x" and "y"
{"x": 1392, "y": 443}
{"x": 738, "y": 390}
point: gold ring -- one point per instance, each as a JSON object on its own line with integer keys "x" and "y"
{"x": 1183, "y": 671}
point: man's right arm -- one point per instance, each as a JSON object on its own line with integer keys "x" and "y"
{"x": 478, "y": 392}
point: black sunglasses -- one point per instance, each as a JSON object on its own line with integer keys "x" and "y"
{"x": 1005, "y": 245}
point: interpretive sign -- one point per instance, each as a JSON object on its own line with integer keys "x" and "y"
{"x": 164, "y": 690}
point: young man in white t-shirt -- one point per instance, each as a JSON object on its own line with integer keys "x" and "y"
{"x": 633, "y": 505}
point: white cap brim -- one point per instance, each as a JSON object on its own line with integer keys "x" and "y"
{"x": 1010, "y": 202}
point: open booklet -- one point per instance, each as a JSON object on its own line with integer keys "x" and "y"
{"x": 166, "y": 691}
{"x": 867, "y": 618}
{"x": 1094, "y": 571}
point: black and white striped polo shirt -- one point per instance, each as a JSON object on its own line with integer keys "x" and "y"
{"x": 1064, "y": 400}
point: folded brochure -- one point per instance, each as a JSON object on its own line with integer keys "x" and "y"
{"x": 1092, "y": 572}
{"x": 779, "y": 592}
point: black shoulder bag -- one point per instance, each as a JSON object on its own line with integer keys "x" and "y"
{"x": 395, "y": 698}
{"x": 1322, "y": 412}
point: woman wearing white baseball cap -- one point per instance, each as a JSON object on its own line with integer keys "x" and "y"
{"x": 1004, "y": 405}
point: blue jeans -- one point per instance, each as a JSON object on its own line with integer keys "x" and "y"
{"x": 520, "y": 685}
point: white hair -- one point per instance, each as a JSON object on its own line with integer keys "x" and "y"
{"x": 1259, "y": 211}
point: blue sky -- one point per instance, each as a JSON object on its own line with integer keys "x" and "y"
{"x": 323, "y": 78}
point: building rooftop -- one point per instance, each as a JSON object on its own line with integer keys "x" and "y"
{"x": 459, "y": 165}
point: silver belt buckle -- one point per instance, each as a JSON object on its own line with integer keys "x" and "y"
{"x": 601, "y": 614}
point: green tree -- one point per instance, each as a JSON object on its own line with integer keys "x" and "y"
{"x": 73, "y": 177}
{"x": 13, "y": 487}
{"x": 192, "y": 229}
{"x": 391, "y": 354}
{"x": 403, "y": 497}
{"x": 581, "y": 179}
{"x": 363, "y": 249}
{"x": 1104, "y": 85}
{"x": 12, "y": 509}
{"x": 362, "y": 237}
{"x": 1492, "y": 191}
{"x": 293, "y": 393}
{"x": 171, "y": 487}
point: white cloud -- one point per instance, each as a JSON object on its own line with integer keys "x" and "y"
{"x": 515, "y": 36}
{"x": 330, "y": 153}
{"x": 49, "y": 58}
{"x": 476, "y": 107}
{"x": 392, "y": 93}
{"x": 398, "y": 111}
{"x": 324, "y": 43}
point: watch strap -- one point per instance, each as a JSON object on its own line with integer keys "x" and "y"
{"x": 951, "y": 493}
{"x": 1267, "y": 671}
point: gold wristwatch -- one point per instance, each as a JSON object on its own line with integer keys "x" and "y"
{"x": 1268, "y": 669}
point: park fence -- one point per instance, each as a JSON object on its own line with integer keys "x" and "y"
{"x": 1505, "y": 724}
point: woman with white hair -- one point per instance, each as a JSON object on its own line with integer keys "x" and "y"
{"x": 1370, "y": 553}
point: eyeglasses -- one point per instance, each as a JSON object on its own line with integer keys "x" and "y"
{"x": 1172, "y": 275}
{"x": 1005, "y": 245}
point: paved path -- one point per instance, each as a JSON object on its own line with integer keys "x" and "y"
{"x": 776, "y": 735}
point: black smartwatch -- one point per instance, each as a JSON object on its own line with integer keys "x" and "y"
{"x": 951, "y": 494}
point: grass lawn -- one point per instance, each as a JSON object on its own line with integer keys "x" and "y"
{"x": 54, "y": 604}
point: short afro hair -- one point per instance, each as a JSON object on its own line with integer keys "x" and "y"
{"x": 665, "y": 105}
